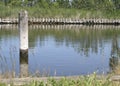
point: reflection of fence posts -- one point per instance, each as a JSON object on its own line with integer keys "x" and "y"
{"x": 23, "y": 30}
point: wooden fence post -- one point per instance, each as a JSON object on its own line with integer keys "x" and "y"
{"x": 23, "y": 31}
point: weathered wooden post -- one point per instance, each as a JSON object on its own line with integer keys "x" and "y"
{"x": 23, "y": 29}
{"x": 23, "y": 33}
{"x": 0, "y": 20}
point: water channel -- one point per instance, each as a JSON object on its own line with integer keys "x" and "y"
{"x": 61, "y": 50}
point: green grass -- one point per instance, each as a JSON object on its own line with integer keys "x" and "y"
{"x": 81, "y": 81}
{"x": 36, "y": 11}
{"x": 2, "y": 84}
{"x": 88, "y": 80}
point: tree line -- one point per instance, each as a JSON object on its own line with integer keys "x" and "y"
{"x": 78, "y": 4}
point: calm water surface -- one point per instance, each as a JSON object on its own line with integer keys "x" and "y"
{"x": 62, "y": 51}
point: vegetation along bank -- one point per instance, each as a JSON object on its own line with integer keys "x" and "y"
{"x": 62, "y": 8}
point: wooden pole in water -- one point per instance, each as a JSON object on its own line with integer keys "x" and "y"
{"x": 23, "y": 32}
{"x": 23, "y": 29}
{"x": 0, "y": 20}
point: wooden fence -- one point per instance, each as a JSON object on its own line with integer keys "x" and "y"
{"x": 63, "y": 21}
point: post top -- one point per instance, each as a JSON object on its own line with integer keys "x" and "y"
{"x": 23, "y": 12}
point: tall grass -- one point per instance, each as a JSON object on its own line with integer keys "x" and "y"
{"x": 90, "y": 80}
{"x": 36, "y": 11}
{"x": 8, "y": 69}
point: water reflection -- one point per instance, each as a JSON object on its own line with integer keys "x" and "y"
{"x": 115, "y": 53}
{"x": 81, "y": 39}
{"x": 64, "y": 50}
{"x": 23, "y": 63}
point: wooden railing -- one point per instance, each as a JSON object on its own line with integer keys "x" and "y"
{"x": 63, "y": 21}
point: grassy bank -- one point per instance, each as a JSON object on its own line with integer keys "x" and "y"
{"x": 82, "y": 81}
{"x": 90, "y": 80}
{"x": 6, "y": 11}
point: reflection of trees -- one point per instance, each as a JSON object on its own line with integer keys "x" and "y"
{"x": 8, "y": 32}
{"x": 115, "y": 53}
{"x": 82, "y": 40}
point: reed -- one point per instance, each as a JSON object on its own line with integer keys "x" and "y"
{"x": 36, "y": 11}
{"x": 90, "y": 80}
